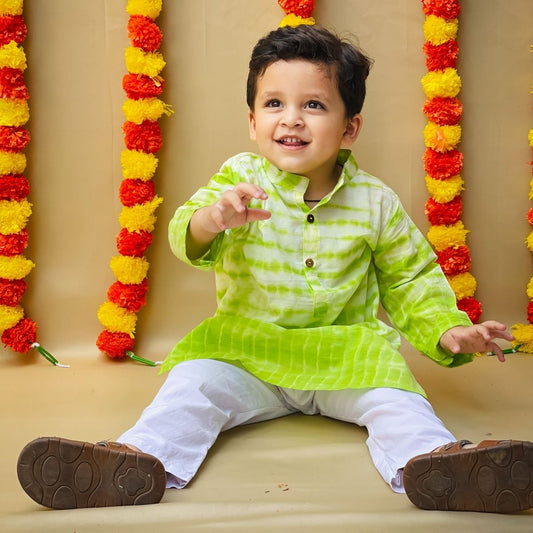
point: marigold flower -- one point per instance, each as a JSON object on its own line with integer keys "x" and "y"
{"x": 530, "y": 289}
{"x": 13, "y": 139}
{"x": 129, "y": 269}
{"x": 144, "y": 33}
{"x": 12, "y": 28}
{"x": 140, "y": 62}
{"x": 15, "y": 268}
{"x": 471, "y": 307}
{"x": 11, "y": 291}
{"x": 530, "y": 216}
{"x": 145, "y": 137}
{"x": 115, "y": 344}
{"x": 441, "y": 138}
{"x": 136, "y": 191}
{"x": 463, "y": 285}
{"x": 138, "y": 165}
{"x": 529, "y": 241}
{"x": 116, "y": 318}
{"x": 14, "y": 112}
{"x": 294, "y": 20}
{"x": 442, "y": 237}
{"x": 130, "y": 296}
{"x": 140, "y": 86}
{"x": 14, "y": 216}
{"x": 448, "y": 9}
{"x": 530, "y": 312}
{"x": 14, "y": 187}
{"x": 445, "y": 83}
{"x": 21, "y": 336}
{"x": 523, "y": 337}
{"x": 9, "y": 316}
{"x": 454, "y": 260}
{"x": 14, "y": 243}
{"x": 444, "y": 191}
{"x": 133, "y": 243}
{"x": 12, "y": 56}
{"x": 438, "y": 30}
{"x": 138, "y": 111}
{"x": 11, "y": 7}
{"x": 301, "y": 8}
{"x": 442, "y": 110}
{"x": 141, "y": 216}
{"x": 442, "y": 165}
{"x": 446, "y": 213}
{"x": 12, "y": 84}
{"x": 441, "y": 56}
{"x": 148, "y": 8}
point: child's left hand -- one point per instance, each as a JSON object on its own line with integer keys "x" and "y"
{"x": 476, "y": 338}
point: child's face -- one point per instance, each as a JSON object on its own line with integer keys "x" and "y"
{"x": 299, "y": 119}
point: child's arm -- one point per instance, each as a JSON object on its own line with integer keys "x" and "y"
{"x": 230, "y": 211}
{"x": 476, "y": 338}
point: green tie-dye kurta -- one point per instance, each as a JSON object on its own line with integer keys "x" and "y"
{"x": 298, "y": 294}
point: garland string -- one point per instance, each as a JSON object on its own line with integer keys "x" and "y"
{"x": 142, "y": 138}
{"x": 442, "y": 161}
{"x": 17, "y": 331}
{"x": 523, "y": 333}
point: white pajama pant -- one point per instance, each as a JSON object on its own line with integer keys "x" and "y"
{"x": 201, "y": 398}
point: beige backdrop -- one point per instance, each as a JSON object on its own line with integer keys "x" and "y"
{"x": 76, "y": 63}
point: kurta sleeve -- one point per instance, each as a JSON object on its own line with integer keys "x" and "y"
{"x": 225, "y": 179}
{"x": 414, "y": 291}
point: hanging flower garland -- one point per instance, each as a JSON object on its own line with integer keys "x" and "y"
{"x": 297, "y": 12}
{"x": 17, "y": 331}
{"x": 523, "y": 333}
{"x": 142, "y": 139}
{"x": 442, "y": 161}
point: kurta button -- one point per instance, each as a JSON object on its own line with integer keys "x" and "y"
{"x": 310, "y": 218}
{"x": 309, "y": 263}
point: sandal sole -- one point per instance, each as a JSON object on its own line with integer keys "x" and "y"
{"x": 66, "y": 474}
{"x": 495, "y": 479}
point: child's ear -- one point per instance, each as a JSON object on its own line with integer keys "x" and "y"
{"x": 353, "y": 127}
{"x": 251, "y": 125}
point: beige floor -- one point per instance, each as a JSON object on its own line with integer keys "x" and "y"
{"x": 292, "y": 474}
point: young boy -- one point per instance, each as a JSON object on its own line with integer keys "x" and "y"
{"x": 304, "y": 245}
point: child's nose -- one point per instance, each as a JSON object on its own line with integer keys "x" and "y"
{"x": 291, "y": 118}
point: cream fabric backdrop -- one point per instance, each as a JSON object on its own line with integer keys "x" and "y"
{"x": 76, "y": 63}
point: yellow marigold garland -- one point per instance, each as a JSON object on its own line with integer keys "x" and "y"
{"x": 442, "y": 161}
{"x": 17, "y": 332}
{"x": 142, "y": 139}
{"x": 523, "y": 333}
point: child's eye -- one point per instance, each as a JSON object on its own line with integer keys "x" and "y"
{"x": 273, "y": 103}
{"x": 313, "y": 104}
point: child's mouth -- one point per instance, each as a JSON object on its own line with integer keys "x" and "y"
{"x": 291, "y": 142}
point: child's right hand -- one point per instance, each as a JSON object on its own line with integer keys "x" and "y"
{"x": 232, "y": 211}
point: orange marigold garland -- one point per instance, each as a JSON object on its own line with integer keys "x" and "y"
{"x": 523, "y": 333}
{"x": 142, "y": 138}
{"x": 442, "y": 161}
{"x": 17, "y": 331}
{"x": 297, "y": 12}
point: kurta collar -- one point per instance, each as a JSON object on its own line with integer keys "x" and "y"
{"x": 296, "y": 182}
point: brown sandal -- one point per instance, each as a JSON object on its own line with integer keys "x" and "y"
{"x": 492, "y": 477}
{"x": 68, "y": 474}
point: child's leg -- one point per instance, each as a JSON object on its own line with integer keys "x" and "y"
{"x": 400, "y": 425}
{"x": 198, "y": 400}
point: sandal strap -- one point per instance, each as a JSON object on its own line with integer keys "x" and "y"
{"x": 453, "y": 446}
{"x": 118, "y": 446}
